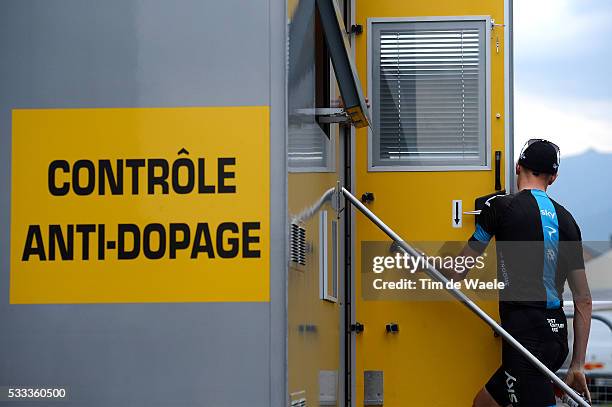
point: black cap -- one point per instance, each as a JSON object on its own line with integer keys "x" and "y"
{"x": 540, "y": 156}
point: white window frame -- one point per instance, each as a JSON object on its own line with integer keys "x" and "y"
{"x": 487, "y": 69}
{"x": 324, "y": 259}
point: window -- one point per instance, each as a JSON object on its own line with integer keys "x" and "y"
{"x": 429, "y": 94}
{"x": 316, "y": 36}
{"x": 309, "y": 146}
{"x": 322, "y": 71}
{"x": 344, "y": 67}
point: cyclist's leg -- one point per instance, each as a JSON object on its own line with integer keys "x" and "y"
{"x": 525, "y": 384}
{"x": 484, "y": 399}
{"x": 517, "y": 383}
{"x": 493, "y": 394}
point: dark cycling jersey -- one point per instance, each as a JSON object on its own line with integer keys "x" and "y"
{"x": 537, "y": 245}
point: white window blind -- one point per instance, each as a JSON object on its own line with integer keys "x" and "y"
{"x": 429, "y": 94}
{"x": 308, "y": 147}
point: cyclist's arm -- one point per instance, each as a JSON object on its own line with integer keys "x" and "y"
{"x": 582, "y": 325}
{"x": 486, "y": 226}
{"x": 582, "y": 314}
{"x": 467, "y": 251}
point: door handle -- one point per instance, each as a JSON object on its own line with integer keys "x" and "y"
{"x": 498, "y": 186}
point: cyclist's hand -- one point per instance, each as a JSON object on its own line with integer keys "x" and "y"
{"x": 577, "y": 380}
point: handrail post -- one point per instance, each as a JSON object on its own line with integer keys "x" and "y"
{"x": 465, "y": 300}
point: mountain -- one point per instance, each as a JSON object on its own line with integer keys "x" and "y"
{"x": 584, "y": 187}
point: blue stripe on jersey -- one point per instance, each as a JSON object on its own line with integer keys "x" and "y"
{"x": 481, "y": 235}
{"x": 550, "y": 229}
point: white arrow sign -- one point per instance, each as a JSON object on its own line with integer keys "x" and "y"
{"x": 457, "y": 214}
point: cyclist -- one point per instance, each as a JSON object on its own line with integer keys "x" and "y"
{"x": 546, "y": 251}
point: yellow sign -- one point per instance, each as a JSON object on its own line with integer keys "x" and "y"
{"x": 140, "y": 205}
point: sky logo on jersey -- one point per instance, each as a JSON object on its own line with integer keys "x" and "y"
{"x": 546, "y": 212}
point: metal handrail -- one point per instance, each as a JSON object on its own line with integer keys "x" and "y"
{"x": 465, "y": 300}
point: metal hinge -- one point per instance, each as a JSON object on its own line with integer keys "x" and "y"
{"x": 493, "y": 25}
{"x": 357, "y": 327}
{"x": 332, "y": 115}
{"x": 355, "y": 29}
{"x": 326, "y": 114}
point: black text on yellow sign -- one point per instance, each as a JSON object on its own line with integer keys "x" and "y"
{"x": 155, "y": 240}
{"x": 140, "y": 205}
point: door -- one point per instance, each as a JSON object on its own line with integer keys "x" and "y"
{"x": 436, "y": 85}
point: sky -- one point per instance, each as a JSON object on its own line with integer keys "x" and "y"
{"x": 563, "y": 75}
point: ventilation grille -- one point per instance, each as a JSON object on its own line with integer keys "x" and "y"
{"x": 299, "y": 403}
{"x": 298, "y": 399}
{"x": 298, "y": 244}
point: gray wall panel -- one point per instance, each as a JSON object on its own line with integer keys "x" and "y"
{"x": 278, "y": 204}
{"x": 73, "y": 53}
{"x": 139, "y": 354}
{"x": 118, "y": 53}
